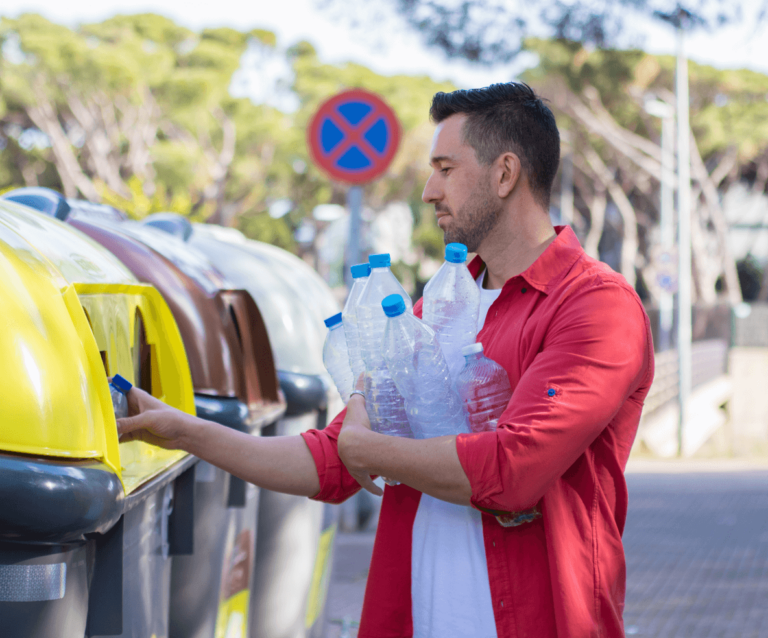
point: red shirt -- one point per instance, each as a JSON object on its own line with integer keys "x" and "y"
{"x": 576, "y": 344}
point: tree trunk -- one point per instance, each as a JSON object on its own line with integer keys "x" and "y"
{"x": 717, "y": 215}
{"x": 597, "y": 207}
{"x": 629, "y": 244}
{"x": 139, "y": 125}
{"x": 44, "y": 116}
{"x": 220, "y": 166}
{"x": 761, "y": 175}
{"x": 704, "y": 269}
{"x": 626, "y": 143}
{"x": 98, "y": 145}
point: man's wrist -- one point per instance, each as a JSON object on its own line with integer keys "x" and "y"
{"x": 194, "y": 433}
{"x": 352, "y": 445}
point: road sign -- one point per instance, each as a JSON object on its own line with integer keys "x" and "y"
{"x": 354, "y": 136}
{"x": 661, "y": 273}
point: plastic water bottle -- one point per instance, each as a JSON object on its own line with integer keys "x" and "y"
{"x": 417, "y": 365}
{"x": 383, "y": 401}
{"x": 484, "y": 389}
{"x": 360, "y": 273}
{"x": 336, "y": 358}
{"x": 118, "y": 389}
{"x": 451, "y": 305}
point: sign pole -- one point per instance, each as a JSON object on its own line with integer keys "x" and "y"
{"x": 355, "y": 206}
{"x": 684, "y": 331}
{"x": 666, "y": 301}
{"x": 353, "y": 137}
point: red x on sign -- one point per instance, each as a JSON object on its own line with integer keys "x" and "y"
{"x": 354, "y": 136}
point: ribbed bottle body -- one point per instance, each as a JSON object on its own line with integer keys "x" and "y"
{"x": 451, "y": 306}
{"x": 349, "y": 318}
{"x": 484, "y": 388}
{"x": 336, "y": 360}
{"x": 385, "y": 406}
{"x": 416, "y": 363}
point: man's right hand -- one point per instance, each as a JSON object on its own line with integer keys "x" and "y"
{"x": 152, "y": 421}
{"x": 278, "y": 463}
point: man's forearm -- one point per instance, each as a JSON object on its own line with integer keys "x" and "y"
{"x": 280, "y": 463}
{"x": 431, "y": 466}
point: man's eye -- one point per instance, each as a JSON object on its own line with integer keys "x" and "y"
{"x": 444, "y": 171}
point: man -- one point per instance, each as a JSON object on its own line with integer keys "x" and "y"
{"x": 509, "y": 533}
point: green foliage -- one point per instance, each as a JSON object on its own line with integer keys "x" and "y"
{"x": 160, "y": 94}
{"x": 729, "y": 108}
{"x": 262, "y": 227}
{"x": 131, "y": 67}
{"x": 138, "y": 204}
{"x": 428, "y": 235}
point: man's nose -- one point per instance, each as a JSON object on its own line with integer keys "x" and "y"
{"x": 431, "y": 193}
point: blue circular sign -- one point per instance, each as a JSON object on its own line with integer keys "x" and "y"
{"x": 354, "y": 136}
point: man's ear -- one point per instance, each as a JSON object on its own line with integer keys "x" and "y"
{"x": 508, "y": 169}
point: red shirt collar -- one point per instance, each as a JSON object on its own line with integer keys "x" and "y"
{"x": 551, "y": 266}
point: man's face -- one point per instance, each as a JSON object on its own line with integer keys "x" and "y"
{"x": 460, "y": 188}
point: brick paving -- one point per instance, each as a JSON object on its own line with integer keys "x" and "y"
{"x": 697, "y": 556}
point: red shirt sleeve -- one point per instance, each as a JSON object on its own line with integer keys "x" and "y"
{"x": 336, "y": 483}
{"x": 595, "y": 354}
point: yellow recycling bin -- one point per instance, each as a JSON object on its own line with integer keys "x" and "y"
{"x": 87, "y": 525}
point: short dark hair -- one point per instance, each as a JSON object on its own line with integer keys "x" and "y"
{"x": 503, "y": 118}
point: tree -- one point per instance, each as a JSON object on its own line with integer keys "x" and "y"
{"x": 132, "y": 101}
{"x": 137, "y": 112}
{"x": 494, "y": 31}
{"x": 599, "y": 99}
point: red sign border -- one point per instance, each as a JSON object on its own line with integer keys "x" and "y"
{"x": 381, "y": 163}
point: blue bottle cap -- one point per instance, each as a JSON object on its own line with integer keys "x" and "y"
{"x": 456, "y": 253}
{"x": 360, "y": 270}
{"x": 335, "y": 320}
{"x": 393, "y": 305}
{"x": 379, "y": 261}
{"x": 121, "y": 383}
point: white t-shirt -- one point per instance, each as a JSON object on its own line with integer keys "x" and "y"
{"x": 450, "y": 591}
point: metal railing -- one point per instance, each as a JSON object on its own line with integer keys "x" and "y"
{"x": 709, "y": 361}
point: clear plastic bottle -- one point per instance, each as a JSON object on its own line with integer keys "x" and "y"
{"x": 451, "y": 305}
{"x": 484, "y": 389}
{"x": 417, "y": 365}
{"x": 360, "y": 273}
{"x": 118, "y": 389}
{"x": 336, "y": 358}
{"x": 385, "y": 406}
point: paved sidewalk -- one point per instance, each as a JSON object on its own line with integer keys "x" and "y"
{"x": 352, "y": 556}
{"x": 697, "y": 553}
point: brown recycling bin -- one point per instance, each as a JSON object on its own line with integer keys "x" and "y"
{"x": 235, "y": 384}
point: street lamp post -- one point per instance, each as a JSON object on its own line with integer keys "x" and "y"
{"x": 666, "y": 113}
{"x": 682, "y": 19}
{"x": 684, "y": 331}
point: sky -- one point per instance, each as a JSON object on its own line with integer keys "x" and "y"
{"x": 393, "y": 49}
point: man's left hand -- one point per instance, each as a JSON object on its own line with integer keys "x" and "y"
{"x": 354, "y": 432}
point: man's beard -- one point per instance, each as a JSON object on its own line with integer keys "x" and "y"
{"x": 474, "y": 221}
